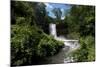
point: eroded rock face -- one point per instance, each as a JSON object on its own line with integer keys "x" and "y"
{"x": 61, "y": 29}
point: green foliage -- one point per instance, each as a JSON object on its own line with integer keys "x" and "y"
{"x": 23, "y": 43}
{"x": 81, "y": 19}
{"x": 29, "y": 42}
{"x": 87, "y": 50}
{"x": 48, "y": 46}
{"x": 81, "y": 25}
{"x": 23, "y": 9}
{"x": 73, "y": 35}
{"x": 57, "y": 12}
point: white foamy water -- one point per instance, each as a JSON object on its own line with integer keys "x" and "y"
{"x": 52, "y": 29}
{"x": 69, "y": 45}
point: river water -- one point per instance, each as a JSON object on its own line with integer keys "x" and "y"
{"x": 63, "y": 55}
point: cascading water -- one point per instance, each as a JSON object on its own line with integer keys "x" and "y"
{"x": 52, "y": 28}
{"x": 62, "y": 38}
{"x": 70, "y": 45}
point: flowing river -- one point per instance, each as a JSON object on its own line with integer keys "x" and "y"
{"x": 69, "y": 46}
{"x": 63, "y": 55}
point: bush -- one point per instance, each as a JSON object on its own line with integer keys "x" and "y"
{"x": 23, "y": 42}
{"x": 73, "y": 35}
{"x": 29, "y": 43}
{"x": 86, "y": 52}
{"x": 48, "y": 46}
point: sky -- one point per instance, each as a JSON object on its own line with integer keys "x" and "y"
{"x": 51, "y": 6}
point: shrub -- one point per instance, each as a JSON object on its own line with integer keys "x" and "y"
{"x": 29, "y": 44}
{"x": 87, "y": 50}
{"x": 48, "y": 46}
{"x": 23, "y": 43}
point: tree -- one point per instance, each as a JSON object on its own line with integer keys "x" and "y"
{"x": 29, "y": 43}
{"x": 58, "y": 13}
{"x": 81, "y": 22}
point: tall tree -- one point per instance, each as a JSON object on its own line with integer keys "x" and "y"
{"x": 81, "y": 19}
{"x": 58, "y": 13}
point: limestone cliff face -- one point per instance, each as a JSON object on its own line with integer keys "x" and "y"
{"x": 61, "y": 29}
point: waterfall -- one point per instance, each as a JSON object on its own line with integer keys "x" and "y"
{"x": 53, "y": 30}
{"x": 69, "y": 44}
